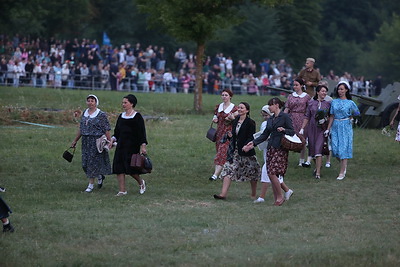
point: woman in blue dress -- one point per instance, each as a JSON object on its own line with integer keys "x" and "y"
{"x": 340, "y": 126}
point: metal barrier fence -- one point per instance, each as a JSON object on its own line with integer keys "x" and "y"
{"x": 102, "y": 82}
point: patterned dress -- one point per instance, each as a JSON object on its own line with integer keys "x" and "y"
{"x": 397, "y": 138}
{"x": 130, "y": 133}
{"x": 277, "y": 157}
{"x": 223, "y": 126}
{"x": 297, "y": 105}
{"x": 241, "y": 168}
{"x": 342, "y": 128}
{"x": 93, "y": 127}
{"x": 315, "y": 132}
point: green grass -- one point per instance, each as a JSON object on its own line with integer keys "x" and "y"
{"x": 354, "y": 222}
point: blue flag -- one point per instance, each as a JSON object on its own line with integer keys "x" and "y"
{"x": 106, "y": 40}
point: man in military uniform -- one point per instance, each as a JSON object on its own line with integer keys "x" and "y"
{"x": 311, "y": 76}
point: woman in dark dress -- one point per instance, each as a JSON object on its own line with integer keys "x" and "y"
{"x": 4, "y": 214}
{"x": 130, "y": 135}
{"x": 94, "y": 124}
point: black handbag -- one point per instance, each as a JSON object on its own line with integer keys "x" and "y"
{"x": 148, "y": 165}
{"x": 325, "y": 147}
{"x": 142, "y": 163}
{"x": 212, "y": 133}
{"x": 68, "y": 156}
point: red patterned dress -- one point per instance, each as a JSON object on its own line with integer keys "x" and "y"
{"x": 297, "y": 106}
{"x": 223, "y": 126}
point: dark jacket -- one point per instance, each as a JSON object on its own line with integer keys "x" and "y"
{"x": 241, "y": 139}
{"x": 282, "y": 120}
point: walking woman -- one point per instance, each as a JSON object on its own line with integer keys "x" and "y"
{"x": 340, "y": 127}
{"x": 130, "y": 135}
{"x": 94, "y": 124}
{"x": 296, "y": 106}
{"x": 277, "y": 157}
{"x": 224, "y": 114}
{"x": 316, "y": 123}
{"x": 241, "y": 166}
{"x": 397, "y": 138}
{"x": 4, "y": 214}
{"x": 265, "y": 181}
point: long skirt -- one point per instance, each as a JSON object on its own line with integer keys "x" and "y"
{"x": 277, "y": 161}
{"x": 93, "y": 162}
{"x": 4, "y": 209}
{"x": 242, "y": 168}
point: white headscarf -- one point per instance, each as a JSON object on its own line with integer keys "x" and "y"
{"x": 344, "y": 82}
{"x": 266, "y": 109}
{"x": 95, "y": 97}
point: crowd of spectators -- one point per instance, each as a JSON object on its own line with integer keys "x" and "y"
{"x": 87, "y": 65}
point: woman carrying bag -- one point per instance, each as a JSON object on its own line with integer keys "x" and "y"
{"x": 93, "y": 125}
{"x": 130, "y": 135}
{"x": 278, "y": 125}
{"x": 224, "y": 114}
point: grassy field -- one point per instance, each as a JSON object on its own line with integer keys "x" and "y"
{"x": 354, "y": 222}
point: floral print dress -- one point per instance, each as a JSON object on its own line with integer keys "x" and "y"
{"x": 93, "y": 127}
{"x": 223, "y": 126}
{"x": 297, "y": 106}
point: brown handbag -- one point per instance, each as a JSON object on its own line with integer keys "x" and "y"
{"x": 137, "y": 161}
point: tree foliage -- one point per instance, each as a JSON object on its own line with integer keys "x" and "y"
{"x": 42, "y": 18}
{"x": 383, "y": 57}
{"x": 299, "y": 23}
{"x": 257, "y": 37}
{"x": 196, "y": 20}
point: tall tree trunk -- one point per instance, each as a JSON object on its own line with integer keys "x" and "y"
{"x": 198, "y": 89}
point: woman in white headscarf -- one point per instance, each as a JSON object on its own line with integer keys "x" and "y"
{"x": 94, "y": 124}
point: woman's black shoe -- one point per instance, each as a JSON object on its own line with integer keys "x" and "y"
{"x": 8, "y": 228}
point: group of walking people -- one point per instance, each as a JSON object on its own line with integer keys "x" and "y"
{"x": 320, "y": 119}
{"x": 129, "y": 138}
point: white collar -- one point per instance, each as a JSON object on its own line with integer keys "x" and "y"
{"x": 128, "y": 117}
{"x": 297, "y": 95}
{"x": 94, "y": 114}
{"x": 227, "y": 110}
